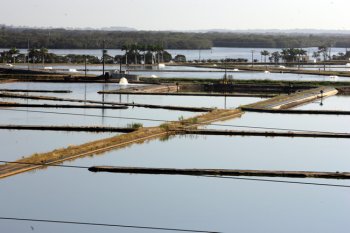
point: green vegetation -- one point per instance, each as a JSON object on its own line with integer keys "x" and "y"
{"x": 93, "y": 39}
{"x": 293, "y": 54}
{"x": 265, "y": 53}
{"x": 134, "y": 54}
{"x": 135, "y": 125}
{"x": 143, "y": 54}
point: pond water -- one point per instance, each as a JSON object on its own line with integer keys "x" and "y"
{"x": 242, "y": 76}
{"x": 289, "y": 122}
{"x": 89, "y": 92}
{"x": 89, "y": 117}
{"x": 15, "y": 143}
{"x": 78, "y": 90}
{"x": 202, "y": 203}
{"x": 204, "y": 73}
{"x": 328, "y": 68}
{"x": 338, "y": 102}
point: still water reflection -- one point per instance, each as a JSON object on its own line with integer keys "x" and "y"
{"x": 187, "y": 202}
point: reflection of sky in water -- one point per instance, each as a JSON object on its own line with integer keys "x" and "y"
{"x": 176, "y": 201}
{"x": 338, "y": 102}
{"x": 209, "y": 73}
{"x": 186, "y": 202}
{"x": 18, "y": 143}
{"x": 328, "y": 123}
{"x": 78, "y": 92}
{"x": 243, "y": 76}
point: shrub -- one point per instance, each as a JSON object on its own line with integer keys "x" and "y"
{"x": 135, "y": 125}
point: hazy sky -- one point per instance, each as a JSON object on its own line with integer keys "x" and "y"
{"x": 178, "y": 14}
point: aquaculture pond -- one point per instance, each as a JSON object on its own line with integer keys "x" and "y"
{"x": 235, "y": 204}
{"x": 78, "y": 90}
{"x": 242, "y": 75}
{"x": 90, "y": 117}
{"x": 338, "y": 102}
{"x": 201, "y": 203}
{"x": 286, "y": 122}
{"x": 16, "y": 144}
{"x": 89, "y": 92}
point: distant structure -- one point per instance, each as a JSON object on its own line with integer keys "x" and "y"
{"x": 123, "y": 81}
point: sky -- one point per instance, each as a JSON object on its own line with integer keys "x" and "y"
{"x": 178, "y": 14}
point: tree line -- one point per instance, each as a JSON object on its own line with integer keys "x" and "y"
{"x": 94, "y": 39}
{"x": 301, "y": 55}
{"x": 134, "y": 54}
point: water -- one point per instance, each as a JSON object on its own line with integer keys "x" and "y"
{"x": 187, "y": 202}
{"x": 213, "y": 74}
{"x": 287, "y": 122}
{"x": 338, "y": 102}
{"x": 82, "y": 117}
{"x": 89, "y": 91}
{"x": 328, "y": 68}
{"x": 106, "y": 117}
{"x": 15, "y": 143}
{"x": 243, "y": 75}
{"x": 78, "y": 90}
{"x": 202, "y": 203}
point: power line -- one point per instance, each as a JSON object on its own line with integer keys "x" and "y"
{"x": 81, "y": 114}
{"x": 106, "y": 225}
{"x": 159, "y": 120}
{"x": 220, "y": 177}
{"x": 280, "y": 181}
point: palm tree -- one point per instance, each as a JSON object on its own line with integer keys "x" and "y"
{"x": 289, "y": 55}
{"x": 324, "y": 51}
{"x": 275, "y": 56}
{"x": 135, "y": 51}
{"x": 300, "y": 52}
{"x": 126, "y": 48}
{"x": 4, "y": 56}
{"x": 158, "y": 49}
{"x": 316, "y": 55}
{"x": 143, "y": 49}
{"x": 43, "y": 53}
{"x": 13, "y": 52}
{"x": 34, "y": 54}
{"x": 265, "y": 53}
{"x": 151, "y": 49}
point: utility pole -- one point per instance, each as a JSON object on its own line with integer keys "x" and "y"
{"x": 103, "y": 58}
{"x": 225, "y": 78}
{"x": 85, "y": 59}
{"x": 199, "y": 55}
{"x": 252, "y": 58}
{"x": 28, "y": 53}
{"x": 120, "y": 65}
{"x": 85, "y": 64}
{"x": 330, "y": 56}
